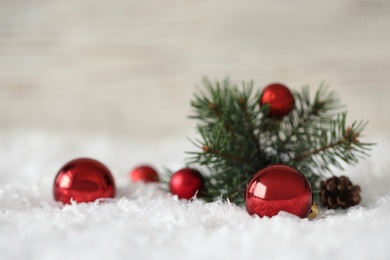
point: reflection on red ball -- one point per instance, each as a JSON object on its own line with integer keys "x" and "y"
{"x": 279, "y": 98}
{"x": 144, "y": 173}
{"x": 83, "y": 180}
{"x": 186, "y": 182}
{"x": 278, "y": 188}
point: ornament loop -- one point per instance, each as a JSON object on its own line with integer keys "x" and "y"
{"x": 313, "y": 212}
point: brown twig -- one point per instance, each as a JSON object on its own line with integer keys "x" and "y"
{"x": 317, "y": 151}
{"x": 214, "y": 107}
{"x": 248, "y": 121}
{"x": 207, "y": 149}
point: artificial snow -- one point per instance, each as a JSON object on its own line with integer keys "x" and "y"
{"x": 144, "y": 222}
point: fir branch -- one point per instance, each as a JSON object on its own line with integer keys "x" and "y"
{"x": 237, "y": 138}
{"x": 308, "y": 114}
{"x": 330, "y": 141}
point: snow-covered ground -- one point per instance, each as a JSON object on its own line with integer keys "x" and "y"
{"x": 143, "y": 222}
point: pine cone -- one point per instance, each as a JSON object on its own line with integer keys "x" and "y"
{"x": 339, "y": 192}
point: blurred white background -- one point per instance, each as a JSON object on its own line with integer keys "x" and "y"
{"x": 129, "y": 68}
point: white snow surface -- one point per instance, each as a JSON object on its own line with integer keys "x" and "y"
{"x": 144, "y": 222}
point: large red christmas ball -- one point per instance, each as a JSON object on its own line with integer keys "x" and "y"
{"x": 186, "y": 182}
{"x": 83, "y": 180}
{"x": 279, "y": 98}
{"x": 144, "y": 173}
{"x": 278, "y": 188}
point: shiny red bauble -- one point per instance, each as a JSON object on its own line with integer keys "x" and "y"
{"x": 144, "y": 173}
{"x": 83, "y": 180}
{"x": 186, "y": 183}
{"x": 279, "y": 98}
{"x": 278, "y": 188}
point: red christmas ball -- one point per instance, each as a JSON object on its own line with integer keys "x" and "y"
{"x": 278, "y": 188}
{"x": 144, "y": 173}
{"x": 186, "y": 182}
{"x": 279, "y": 98}
{"x": 83, "y": 180}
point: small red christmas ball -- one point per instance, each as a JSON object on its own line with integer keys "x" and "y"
{"x": 144, "y": 173}
{"x": 278, "y": 188}
{"x": 83, "y": 180}
{"x": 185, "y": 183}
{"x": 279, "y": 98}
